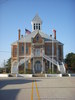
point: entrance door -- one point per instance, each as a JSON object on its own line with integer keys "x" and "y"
{"x": 38, "y": 67}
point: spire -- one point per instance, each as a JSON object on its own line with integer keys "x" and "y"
{"x": 37, "y": 19}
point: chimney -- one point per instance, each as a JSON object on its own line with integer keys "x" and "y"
{"x": 19, "y": 34}
{"x": 54, "y": 31}
{"x": 50, "y": 36}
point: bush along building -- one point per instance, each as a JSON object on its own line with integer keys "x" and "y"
{"x": 36, "y": 52}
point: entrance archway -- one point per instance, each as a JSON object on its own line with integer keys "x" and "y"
{"x": 21, "y": 69}
{"x": 38, "y": 67}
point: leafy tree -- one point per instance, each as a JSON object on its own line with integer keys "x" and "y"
{"x": 70, "y": 61}
{"x": 8, "y": 66}
{"x": 73, "y": 61}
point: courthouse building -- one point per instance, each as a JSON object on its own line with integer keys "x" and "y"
{"x": 37, "y": 51}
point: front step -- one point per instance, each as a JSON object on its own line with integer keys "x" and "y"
{"x": 38, "y": 75}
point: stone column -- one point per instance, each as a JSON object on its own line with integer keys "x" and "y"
{"x": 62, "y": 52}
{"x": 25, "y": 58}
{"x": 33, "y": 66}
{"x": 17, "y": 56}
{"x": 57, "y": 50}
{"x": 42, "y": 65}
{"x": 52, "y": 55}
{"x": 49, "y": 65}
{"x": 12, "y": 58}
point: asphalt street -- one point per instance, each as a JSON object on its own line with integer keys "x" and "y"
{"x": 51, "y": 88}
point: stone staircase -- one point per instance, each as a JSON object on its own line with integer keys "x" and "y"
{"x": 15, "y": 64}
{"x": 60, "y": 67}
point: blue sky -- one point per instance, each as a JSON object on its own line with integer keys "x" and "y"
{"x": 55, "y": 14}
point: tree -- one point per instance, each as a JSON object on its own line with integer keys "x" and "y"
{"x": 8, "y": 66}
{"x": 70, "y": 61}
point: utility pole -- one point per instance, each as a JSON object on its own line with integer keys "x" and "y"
{"x": 4, "y": 66}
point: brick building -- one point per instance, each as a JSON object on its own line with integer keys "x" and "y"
{"x": 37, "y": 51}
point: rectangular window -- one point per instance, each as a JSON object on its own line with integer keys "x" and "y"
{"x": 37, "y": 26}
{"x": 22, "y": 49}
{"x": 48, "y": 50}
{"x": 34, "y": 26}
{"x": 37, "y": 52}
{"x": 27, "y": 51}
{"x": 15, "y": 51}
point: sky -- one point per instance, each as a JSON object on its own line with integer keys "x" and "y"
{"x": 55, "y": 14}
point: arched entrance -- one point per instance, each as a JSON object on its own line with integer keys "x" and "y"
{"x": 38, "y": 67}
{"x": 21, "y": 69}
{"x": 14, "y": 67}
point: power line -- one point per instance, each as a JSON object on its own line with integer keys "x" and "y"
{"x": 5, "y": 51}
{"x": 10, "y": 52}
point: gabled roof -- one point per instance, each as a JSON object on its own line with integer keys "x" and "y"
{"x": 27, "y": 38}
{"x": 37, "y": 19}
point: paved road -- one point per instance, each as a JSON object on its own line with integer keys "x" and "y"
{"x": 37, "y": 88}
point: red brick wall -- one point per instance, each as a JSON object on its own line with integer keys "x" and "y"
{"x": 50, "y": 45}
{"x": 60, "y": 52}
{"x": 29, "y": 48}
{"x": 39, "y": 40}
{"x": 14, "y": 51}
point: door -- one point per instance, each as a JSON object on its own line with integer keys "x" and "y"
{"x": 38, "y": 67}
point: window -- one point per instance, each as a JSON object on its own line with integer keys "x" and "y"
{"x": 34, "y": 26}
{"x": 37, "y": 52}
{"x": 39, "y": 26}
{"x": 48, "y": 50}
{"x": 37, "y": 38}
{"x": 15, "y": 52}
{"x": 26, "y": 49}
{"x": 22, "y": 49}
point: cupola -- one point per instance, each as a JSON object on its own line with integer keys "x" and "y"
{"x": 36, "y": 23}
